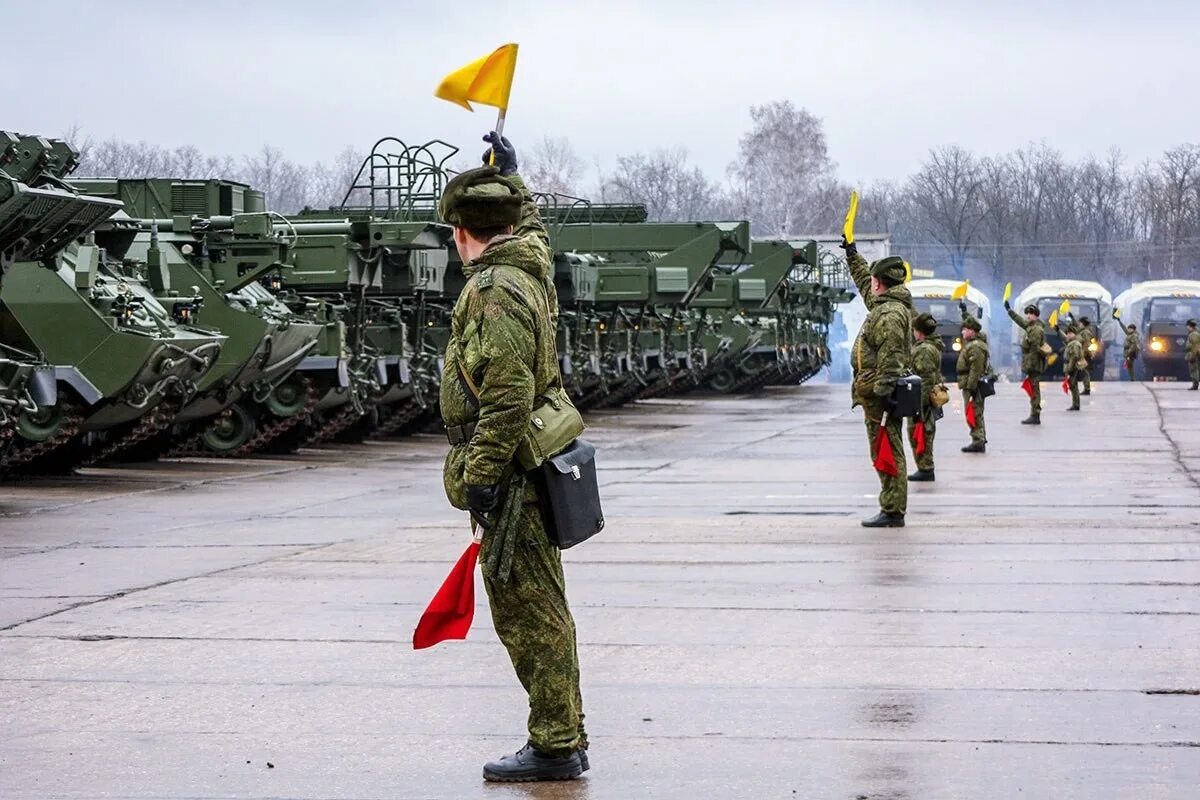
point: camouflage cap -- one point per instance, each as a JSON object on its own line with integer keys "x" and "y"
{"x": 890, "y": 270}
{"x": 971, "y": 323}
{"x": 1032, "y": 309}
{"x": 1131, "y": 327}
{"x": 480, "y": 198}
{"x": 1072, "y": 328}
{"x": 1191, "y": 323}
{"x": 926, "y": 324}
{"x": 1084, "y": 321}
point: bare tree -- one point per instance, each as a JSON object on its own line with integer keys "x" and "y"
{"x": 552, "y": 166}
{"x": 783, "y": 178}
{"x": 946, "y": 195}
{"x": 670, "y": 188}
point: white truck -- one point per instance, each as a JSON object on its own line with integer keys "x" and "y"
{"x": 935, "y": 296}
{"x": 1088, "y": 300}
{"x": 1160, "y": 310}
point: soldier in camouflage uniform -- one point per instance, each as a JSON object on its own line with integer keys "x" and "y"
{"x": 1133, "y": 348}
{"x": 881, "y": 356}
{"x": 500, "y": 358}
{"x": 1192, "y": 348}
{"x": 1033, "y": 360}
{"x": 1074, "y": 364}
{"x": 974, "y": 362}
{"x": 927, "y": 364}
{"x": 1087, "y": 337}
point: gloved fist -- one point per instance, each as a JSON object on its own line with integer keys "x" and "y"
{"x": 505, "y": 153}
{"x": 962, "y": 306}
{"x": 850, "y": 247}
{"x": 1007, "y": 306}
{"x": 483, "y": 499}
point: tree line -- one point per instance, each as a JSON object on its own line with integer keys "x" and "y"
{"x": 1019, "y": 216}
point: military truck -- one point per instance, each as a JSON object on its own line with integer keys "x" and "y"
{"x": 936, "y": 296}
{"x": 1161, "y": 310}
{"x": 1087, "y": 299}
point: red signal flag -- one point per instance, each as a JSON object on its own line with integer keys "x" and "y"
{"x": 972, "y": 419}
{"x": 450, "y": 612}
{"x": 1027, "y": 385}
{"x": 919, "y": 438}
{"x": 885, "y": 459}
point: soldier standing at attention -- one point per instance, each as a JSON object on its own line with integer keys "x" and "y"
{"x": 1087, "y": 337}
{"x": 1133, "y": 348}
{"x": 1074, "y": 364}
{"x": 1033, "y": 359}
{"x": 881, "y": 355}
{"x": 500, "y": 357}
{"x": 1192, "y": 346}
{"x": 927, "y": 364}
{"x": 974, "y": 361}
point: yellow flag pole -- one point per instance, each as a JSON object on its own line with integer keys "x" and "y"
{"x": 499, "y": 132}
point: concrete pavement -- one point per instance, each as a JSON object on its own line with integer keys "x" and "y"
{"x": 208, "y": 629}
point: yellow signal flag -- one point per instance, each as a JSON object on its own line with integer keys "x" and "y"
{"x": 486, "y": 80}
{"x": 1065, "y": 308}
{"x": 1053, "y": 318}
{"x": 1008, "y": 291}
{"x": 1052, "y": 359}
{"x": 907, "y": 272}
{"x": 960, "y": 291}
{"x": 851, "y": 213}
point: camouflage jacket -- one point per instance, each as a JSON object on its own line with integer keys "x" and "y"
{"x": 1086, "y": 337}
{"x": 927, "y": 363}
{"x": 502, "y": 332}
{"x": 1192, "y": 347}
{"x": 1033, "y": 362}
{"x": 1133, "y": 345}
{"x": 881, "y": 353}
{"x": 973, "y": 363}
{"x": 1072, "y": 354}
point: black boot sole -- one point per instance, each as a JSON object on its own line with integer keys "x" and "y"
{"x": 555, "y": 775}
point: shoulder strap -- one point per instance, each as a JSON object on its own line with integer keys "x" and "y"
{"x": 468, "y": 385}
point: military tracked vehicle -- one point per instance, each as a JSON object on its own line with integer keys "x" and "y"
{"x": 123, "y": 365}
{"x": 1161, "y": 310}
{"x": 213, "y": 255}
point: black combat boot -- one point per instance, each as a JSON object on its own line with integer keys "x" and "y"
{"x": 975, "y": 447}
{"x": 1086, "y": 392}
{"x": 1073, "y": 408}
{"x": 922, "y": 475}
{"x": 1195, "y": 386}
{"x": 882, "y": 520}
{"x": 1032, "y": 419}
{"x": 529, "y": 764}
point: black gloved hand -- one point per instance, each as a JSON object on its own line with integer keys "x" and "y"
{"x": 482, "y": 499}
{"x": 850, "y": 247}
{"x": 962, "y": 306}
{"x": 1007, "y": 306}
{"x": 506, "y": 154}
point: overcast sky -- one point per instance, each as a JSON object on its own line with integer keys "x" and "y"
{"x": 889, "y": 79}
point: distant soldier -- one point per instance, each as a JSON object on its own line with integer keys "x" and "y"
{"x": 1133, "y": 348}
{"x": 1087, "y": 338}
{"x": 1033, "y": 357}
{"x": 881, "y": 356}
{"x": 974, "y": 362}
{"x": 1193, "y": 353}
{"x": 927, "y": 364}
{"x": 1074, "y": 364}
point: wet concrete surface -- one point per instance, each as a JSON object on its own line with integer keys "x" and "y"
{"x": 207, "y": 629}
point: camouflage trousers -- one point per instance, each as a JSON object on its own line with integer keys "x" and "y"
{"x": 1131, "y": 368}
{"x": 1087, "y": 377}
{"x": 1194, "y": 370}
{"x": 924, "y": 459}
{"x": 979, "y": 432}
{"x": 534, "y": 622}
{"x": 1073, "y": 381}
{"x": 893, "y": 492}
{"x": 1035, "y": 401}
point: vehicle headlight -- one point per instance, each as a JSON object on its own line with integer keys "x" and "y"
{"x": 957, "y": 345}
{"x": 1157, "y": 345}
{"x": 1093, "y": 347}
